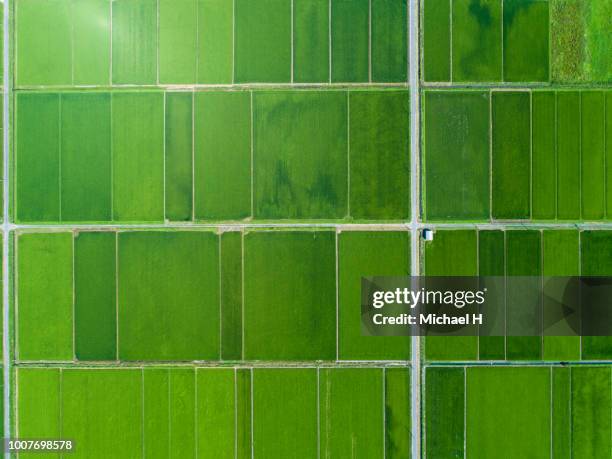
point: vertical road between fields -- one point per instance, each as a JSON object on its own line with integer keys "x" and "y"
{"x": 5, "y": 229}
{"x": 413, "y": 72}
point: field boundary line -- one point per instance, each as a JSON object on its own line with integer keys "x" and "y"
{"x": 6, "y": 275}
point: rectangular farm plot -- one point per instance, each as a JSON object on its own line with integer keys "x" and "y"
{"x": 311, "y": 41}
{"x": 555, "y": 411}
{"x": 592, "y": 154}
{"x": 206, "y": 412}
{"x": 436, "y": 40}
{"x": 511, "y": 155}
{"x": 561, "y": 257}
{"x": 168, "y": 295}
{"x": 179, "y": 156}
{"x": 591, "y": 409}
{"x": 38, "y": 402}
{"x": 451, "y": 253}
{"x": 111, "y": 401}
{"x": 138, "y": 156}
{"x": 231, "y": 295}
{"x": 608, "y": 152}
{"x": 44, "y": 296}
{"x": 215, "y": 41}
{"x": 580, "y": 48}
{"x": 397, "y": 412}
{"x": 222, "y": 155}
{"x": 178, "y": 40}
{"x": 91, "y": 41}
{"x": 486, "y": 40}
{"x": 77, "y": 51}
{"x": 568, "y": 155}
{"x": 262, "y": 54}
{"x": 156, "y": 409}
{"x": 518, "y": 407}
{"x": 285, "y": 412}
{"x": 303, "y": 172}
{"x": 152, "y": 156}
{"x": 549, "y": 156}
{"x": 444, "y": 407}
{"x": 289, "y": 295}
{"x": 216, "y": 413}
{"x": 182, "y": 412}
{"x": 544, "y": 155}
{"x": 596, "y": 260}
{"x": 149, "y": 42}
{"x": 85, "y": 156}
{"x": 492, "y": 262}
{"x": 44, "y": 42}
{"x": 526, "y": 47}
{"x": 37, "y": 157}
{"x": 511, "y": 253}
{"x": 362, "y": 254}
{"x": 456, "y": 155}
{"x": 389, "y": 40}
{"x": 523, "y": 258}
{"x": 95, "y": 295}
{"x": 379, "y": 155}
{"x": 351, "y": 412}
{"x": 476, "y": 39}
{"x": 350, "y": 41}
{"x": 135, "y": 38}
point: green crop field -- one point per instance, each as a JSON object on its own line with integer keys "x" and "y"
{"x": 556, "y": 411}
{"x": 193, "y": 191}
{"x": 512, "y": 252}
{"x": 183, "y": 295}
{"x": 184, "y": 156}
{"x": 215, "y": 412}
{"x": 516, "y": 155}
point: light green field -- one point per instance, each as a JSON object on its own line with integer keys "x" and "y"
{"x": 168, "y": 295}
{"x": 478, "y": 412}
{"x": 179, "y": 156}
{"x": 222, "y": 155}
{"x": 549, "y": 154}
{"x": 486, "y": 41}
{"x": 303, "y": 172}
{"x": 510, "y": 154}
{"x": 206, "y": 412}
{"x": 518, "y": 253}
{"x": 289, "y": 295}
{"x": 350, "y": 40}
{"x": 456, "y": 155}
{"x": 185, "y": 295}
{"x": 477, "y": 40}
{"x": 151, "y": 156}
{"x": 362, "y": 254}
{"x": 263, "y": 54}
{"x": 379, "y": 155}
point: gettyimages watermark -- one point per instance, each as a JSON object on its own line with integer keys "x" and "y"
{"x": 486, "y": 306}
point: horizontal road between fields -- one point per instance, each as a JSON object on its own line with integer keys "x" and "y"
{"x": 518, "y": 363}
{"x": 214, "y": 364}
{"x": 215, "y": 87}
{"x": 236, "y": 226}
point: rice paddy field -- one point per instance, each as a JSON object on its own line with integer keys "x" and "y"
{"x": 525, "y": 155}
{"x": 194, "y": 189}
